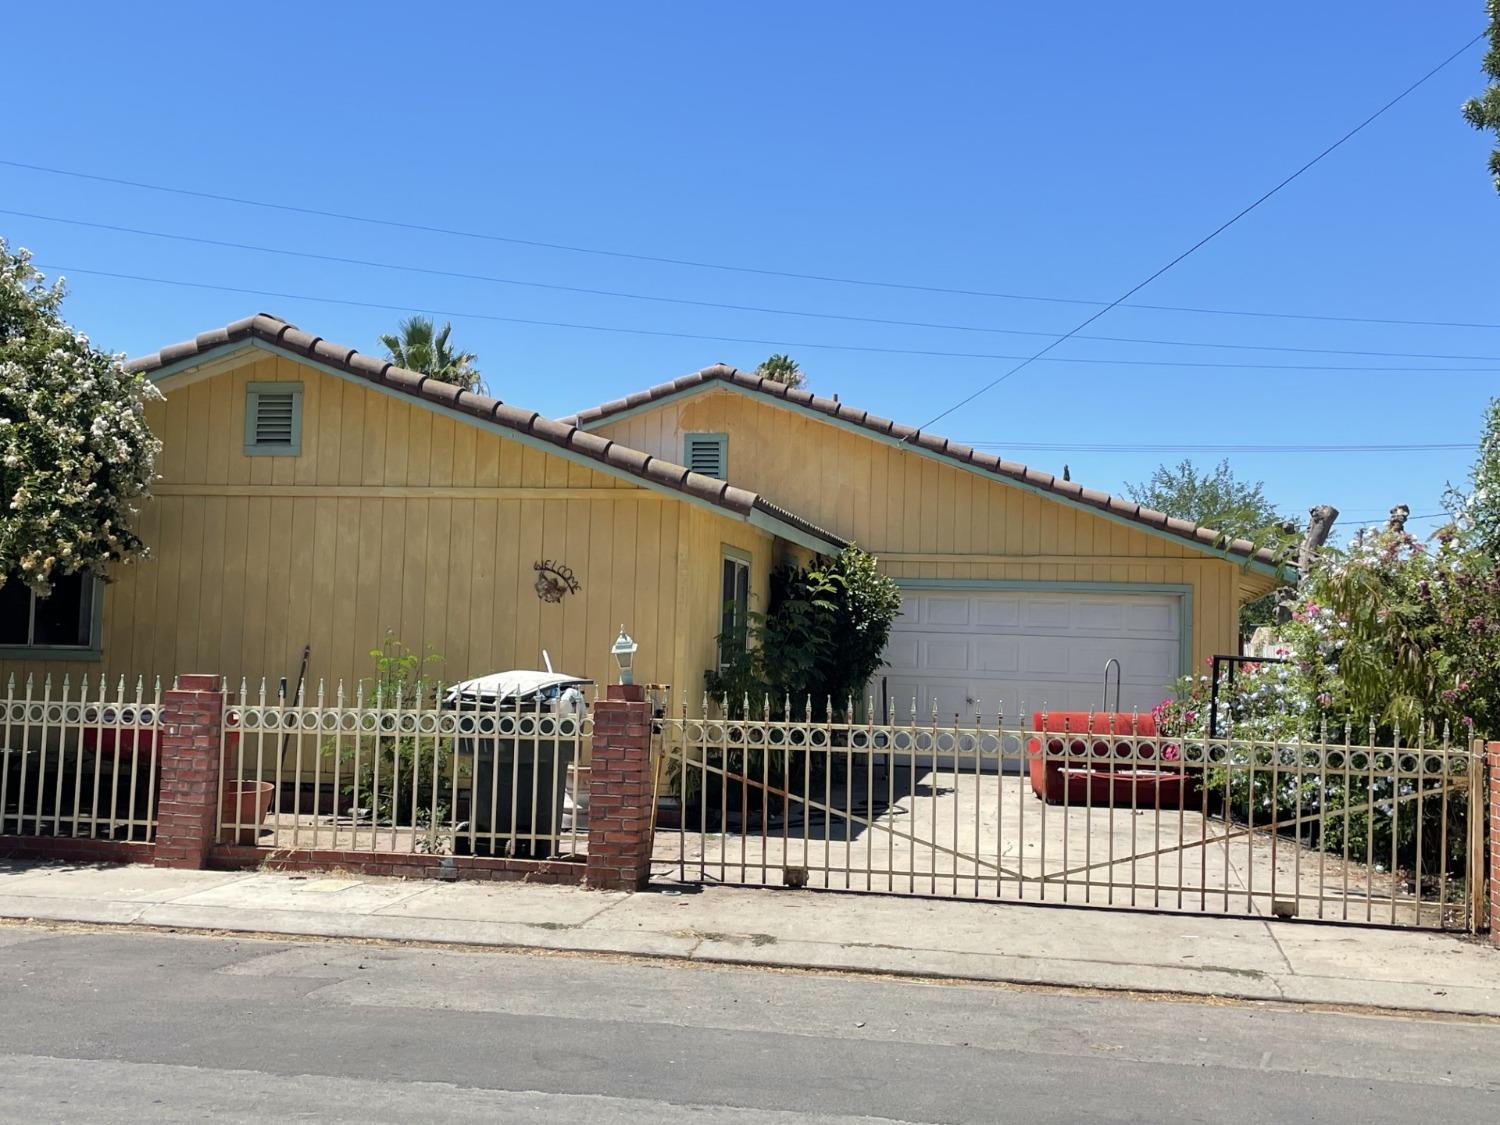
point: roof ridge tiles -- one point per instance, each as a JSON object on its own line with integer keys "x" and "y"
{"x": 935, "y": 444}
{"x": 566, "y": 434}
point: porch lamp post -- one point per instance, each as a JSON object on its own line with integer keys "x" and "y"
{"x": 623, "y": 650}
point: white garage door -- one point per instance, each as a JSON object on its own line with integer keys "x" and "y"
{"x": 954, "y": 647}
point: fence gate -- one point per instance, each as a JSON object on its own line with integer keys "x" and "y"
{"x": 1082, "y": 809}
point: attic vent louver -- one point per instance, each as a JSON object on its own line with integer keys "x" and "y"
{"x": 273, "y": 419}
{"x": 708, "y": 454}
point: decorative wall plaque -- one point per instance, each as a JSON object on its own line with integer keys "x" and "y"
{"x": 553, "y": 580}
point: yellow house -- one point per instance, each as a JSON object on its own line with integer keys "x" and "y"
{"x": 314, "y": 498}
{"x": 1019, "y": 589}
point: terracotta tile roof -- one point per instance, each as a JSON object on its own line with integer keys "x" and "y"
{"x": 943, "y": 447}
{"x": 567, "y": 436}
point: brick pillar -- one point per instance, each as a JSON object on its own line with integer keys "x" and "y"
{"x": 620, "y": 792}
{"x": 187, "y": 818}
{"x": 1494, "y": 840}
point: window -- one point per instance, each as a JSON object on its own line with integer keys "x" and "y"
{"x": 273, "y": 420}
{"x": 735, "y": 603}
{"x": 707, "y": 454}
{"x": 66, "y": 618}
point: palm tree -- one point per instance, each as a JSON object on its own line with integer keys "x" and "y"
{"x": 420, "y": 346}
{"x": 782, "y": 368}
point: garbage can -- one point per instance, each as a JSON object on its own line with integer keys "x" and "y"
{"x": 516, "y": 805}
{"x": 521, "y": 731}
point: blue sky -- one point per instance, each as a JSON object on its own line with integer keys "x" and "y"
{"x": 1043, "y": 149}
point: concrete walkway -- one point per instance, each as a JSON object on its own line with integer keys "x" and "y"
{"x": 1057, "y": 946}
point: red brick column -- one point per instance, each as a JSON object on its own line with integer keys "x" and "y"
{"x": 620, "y": 792}
{"x": 187, "y": 817}
{"x": 1494, "y": 840}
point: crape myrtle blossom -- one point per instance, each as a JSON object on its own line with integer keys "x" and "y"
{"x": 76, "y": 455}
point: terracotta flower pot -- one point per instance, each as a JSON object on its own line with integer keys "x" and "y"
{"x": 245, "y": 803}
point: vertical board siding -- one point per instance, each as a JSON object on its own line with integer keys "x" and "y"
{"x": 896, "y": 502}
{"x": 239, "y": 584}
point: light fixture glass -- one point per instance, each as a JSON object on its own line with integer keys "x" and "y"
{"x": 623, "y": 651}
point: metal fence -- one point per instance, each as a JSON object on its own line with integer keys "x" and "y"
{"x": 1087, "y": 809}
{"x": 79, "y": 758}
{"x": 405, "y": 771}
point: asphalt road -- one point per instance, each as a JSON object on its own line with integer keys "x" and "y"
{"x": 115, "y": 1026}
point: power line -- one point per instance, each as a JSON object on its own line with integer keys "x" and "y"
{"x": 1220, "y": 229}
{"x": 1107, "y": 447}
{"x": 1383, "y": 519}
{"x": 556, "y": 287}
{"x": 245, "y": 201}
{"x": 759, "y": 341}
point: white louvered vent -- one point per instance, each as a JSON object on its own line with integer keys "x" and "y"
{"x": 707, "y": 454}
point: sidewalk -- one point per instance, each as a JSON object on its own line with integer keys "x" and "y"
{"x": 1014, "y": 943}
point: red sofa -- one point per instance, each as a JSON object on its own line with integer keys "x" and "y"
{"x": 1083, "y": 766}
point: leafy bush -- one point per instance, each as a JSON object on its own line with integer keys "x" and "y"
{"x": 816, "y": 647}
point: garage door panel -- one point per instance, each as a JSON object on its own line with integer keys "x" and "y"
{"x": 948, "y": 611}
{"x": 1139, "y": 662}
{"x": 1000, "y": 613}
{"x": 948, "y": 654}
{"x": 1156, "y": 618}
{"x": 1046, "y": 656}
{"x": 1106, "y": 617}
{"x": 1049, "y": 614}
{"x": 903, "y": 651}
{"x": 1016, "y": 648}
{"x": 997, "y": 655}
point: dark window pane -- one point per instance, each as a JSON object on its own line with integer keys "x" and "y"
{"x": 726, "y": 601}
{"x": 741, "y": 594}
{"x": 62, "y": 617}
{"x": 15, "y": 612}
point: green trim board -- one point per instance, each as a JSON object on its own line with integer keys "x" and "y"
{"x": 757, "y": 519}
{"x": 818, "y": 416}
{"x": 1183, "y": 593}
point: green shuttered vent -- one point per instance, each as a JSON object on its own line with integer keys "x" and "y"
{"x": 273, "y": 419}
{"x": 708, "y": 454}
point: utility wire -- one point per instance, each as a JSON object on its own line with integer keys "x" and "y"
{"x": 1106, "y": 447}
{"x": 759, "y": 341}
{"x": 435, "y": 272}
{"x": 343, "y": 216}
{"x": 1383, "y": 519}
{"x": 1204, "y": 241}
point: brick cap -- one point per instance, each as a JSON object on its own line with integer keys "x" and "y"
{"x": 197, "y": 682}
{"x": 625, "y": 693}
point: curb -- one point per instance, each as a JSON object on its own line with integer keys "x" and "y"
{"x": 1041, "y": 974}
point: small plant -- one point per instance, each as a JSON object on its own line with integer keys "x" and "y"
{"x": 398, "y": 779}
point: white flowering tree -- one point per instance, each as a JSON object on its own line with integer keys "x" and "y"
{"x": 76, "y": 455}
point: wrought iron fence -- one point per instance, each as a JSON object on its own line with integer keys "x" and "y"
{"x": 1082, "y": 808}
{"x": 410, "y": 771}
{"x": 78, "y": 758}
